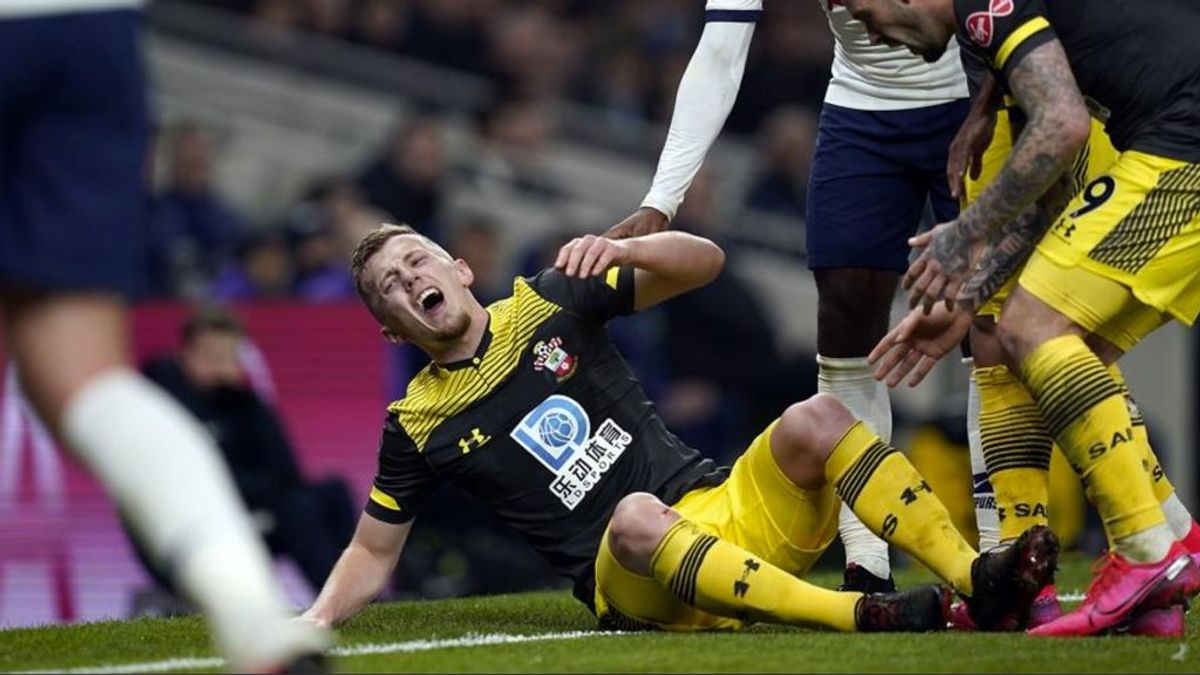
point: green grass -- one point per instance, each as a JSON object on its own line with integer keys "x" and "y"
{"x": 760, "y": 649}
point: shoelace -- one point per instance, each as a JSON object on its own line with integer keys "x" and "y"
{"x": 1105, "y": 571}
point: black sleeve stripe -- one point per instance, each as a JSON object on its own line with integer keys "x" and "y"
{"x": 1029, "y": 44}
{"x": 387, "y": 515}
{"x": 733, "y": 15}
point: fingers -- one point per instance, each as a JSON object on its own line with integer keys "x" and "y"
{"x": 586, "y": 256}
{"x": 915, "y": 270}
{"x": 921, "y": 240}
{"x": 922, "y": 370}
{"x": 893, "y": 356}
{"x": 920, "y": 287}
{"x": 911, "y": 358}
{"x": 934, "y": 293}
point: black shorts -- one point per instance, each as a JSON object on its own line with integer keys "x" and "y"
{"x": 73, "y": 133}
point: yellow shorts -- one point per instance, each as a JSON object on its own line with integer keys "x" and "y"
{"x": 1093, "y": 160}
{"x": 758, "y": 508}
{"x": 1125, "y": 255}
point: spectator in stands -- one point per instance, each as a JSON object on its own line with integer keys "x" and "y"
{"x": 531, "y": 52}
{"x": 408, "y": 179}
{"x": 308, "y": 521}
{"x": 383, "y": 24}
{"x": 450, "y": 33}
{"x": 786, "y": 148}
{"x": 511, "y": 162}
{"x": 262, "y": 270}
{"x": 195, "y": 229}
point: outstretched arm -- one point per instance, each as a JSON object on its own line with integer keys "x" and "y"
{"x": 706, "y": 94}
{"x": 362, "y": 571}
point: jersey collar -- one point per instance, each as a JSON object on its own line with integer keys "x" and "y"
{"x": 475, "y": 361}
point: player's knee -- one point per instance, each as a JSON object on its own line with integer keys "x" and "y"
{"x": 637, "y": 526}
{"x": 1013, "y": 336}
{"x": 805, "y": 436}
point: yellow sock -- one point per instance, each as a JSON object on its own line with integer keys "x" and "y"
{"x": 1016, "y": 448}
{"x": 892, "y": 499}
{"x": 1086, "y": 413}
{"x": 724, "y": 579}
{"x": 1158, "y": 478}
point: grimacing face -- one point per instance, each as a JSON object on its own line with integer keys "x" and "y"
{"x": 424, "y": 293}
{"x": 908, "y": 23}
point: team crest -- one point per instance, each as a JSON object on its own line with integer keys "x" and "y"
{"x": 981, "y": 25}
{"x": 549, "y": 355}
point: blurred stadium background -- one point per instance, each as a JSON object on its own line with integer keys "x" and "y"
{"x": 286, "y": 128}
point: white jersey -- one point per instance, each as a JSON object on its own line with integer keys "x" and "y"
{"x": 879, "y": 77}
{"x": 23, "y": 9}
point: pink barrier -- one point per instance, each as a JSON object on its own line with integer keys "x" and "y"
{"x": 63, "y": 555}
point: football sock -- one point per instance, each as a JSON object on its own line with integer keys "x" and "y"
{"x": 1086, "y": 413}
{"x": 1178, "y": 516}
{"x": 987, "y": 520}
{"x": 1016, "y": 448}
{"x": 852, "y": 382}
{"x": 890, "y": 496}
{"x": 724, "y": 579}
{"x": 161, "y": 468}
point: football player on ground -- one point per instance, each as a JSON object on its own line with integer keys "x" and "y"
{"x": 73, "y": 130}
{"x": 884, "y": 131}
{"x": 528, "y": 406}
{"x": 1121, "y": 260}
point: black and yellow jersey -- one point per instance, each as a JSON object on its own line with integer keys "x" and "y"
{"x": 546, "y": 425}
{"x": 1136, "y": 61}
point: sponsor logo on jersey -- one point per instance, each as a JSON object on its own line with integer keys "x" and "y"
{"x": 558, "y": 433}
{"x": 981, "y": 25}
{"x": 549, "y": 355}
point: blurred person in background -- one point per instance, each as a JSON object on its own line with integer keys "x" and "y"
{"x": 308, "y": 521}
{"x": 408, "y": 179}
{"x": 196, "y": 228}
{"x": 511, "y": 162}
{"x": 786, "y": 143}
{"x": 74, "y": 122}
{"x": 262, "y": 270}
{"x": 322, "y": 229}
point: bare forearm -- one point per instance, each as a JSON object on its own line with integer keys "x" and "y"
{"x": 358, "y": 578}
{"x": 680, "y": 257}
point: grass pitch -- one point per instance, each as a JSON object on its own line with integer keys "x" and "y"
{"x": 476, "y": 635}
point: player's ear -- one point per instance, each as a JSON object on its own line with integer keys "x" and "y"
{"x": 465, "y": 274}
{"x": 391, "y": 336}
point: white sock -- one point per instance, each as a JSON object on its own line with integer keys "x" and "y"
{"x": 851, "y": 382}
{"x": 1146, "y": 546}
{"x": 161, "y": 467}
{"x": 1178, "y": 516}
{"x": 987, "y": 519}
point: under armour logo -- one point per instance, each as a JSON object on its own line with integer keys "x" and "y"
{"x": 910, "y": 493}
{"x": 474, "y": 441}
{"x": 981, "y": 25}
{"x": 890, "y": 523}
{"x": 741, "y": 585}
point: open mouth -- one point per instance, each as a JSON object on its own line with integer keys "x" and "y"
{"x": 430, "y": 300}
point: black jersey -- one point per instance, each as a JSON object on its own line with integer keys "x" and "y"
{"x": 1136, "y": 61}
{"x": 546, "y": 425}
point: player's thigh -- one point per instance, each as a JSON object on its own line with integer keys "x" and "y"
{"x": 72, "y": 211}
{"x": 863, "y": 202}
{"x": 1126, "y": 250}
{"x": 760, "y": 509}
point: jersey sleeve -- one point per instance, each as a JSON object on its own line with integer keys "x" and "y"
{"x": 1002, "y": 31}
{"x": 600, "y": 298}
{"x": 403, "y": 480}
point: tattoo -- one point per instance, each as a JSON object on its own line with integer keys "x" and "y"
{"x": 1043, "y": 84}
{"x": 1010, "y": 246}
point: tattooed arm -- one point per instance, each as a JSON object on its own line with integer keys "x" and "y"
{"x": 1010, "y": 246}
{"x": 1057, "y": 126}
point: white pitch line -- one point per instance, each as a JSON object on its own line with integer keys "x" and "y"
{"x": 347, "y": 650}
